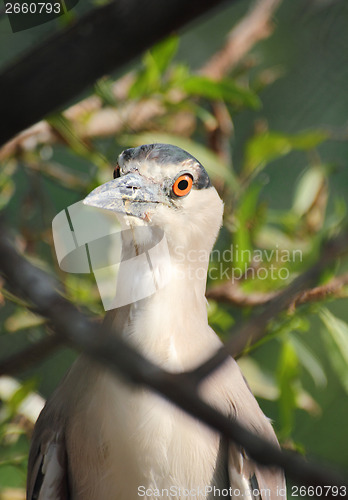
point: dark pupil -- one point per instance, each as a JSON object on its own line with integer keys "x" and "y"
{"x": 183, "y": 185}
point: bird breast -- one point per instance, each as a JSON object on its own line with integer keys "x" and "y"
{"x": 141, "y": 440}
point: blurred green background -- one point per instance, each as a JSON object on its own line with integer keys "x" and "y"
{"x": 273, "y": 135}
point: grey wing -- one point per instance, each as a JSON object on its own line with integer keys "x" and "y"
{"x": 253, "y": 481}
{"x": 48, "y": 477}
{"x": 245, "y": 478}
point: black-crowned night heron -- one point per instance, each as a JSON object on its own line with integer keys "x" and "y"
{"x": 99, "y": 438}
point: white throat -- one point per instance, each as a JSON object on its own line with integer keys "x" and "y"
{"x": 163, "y": 275}
{"x": 163, "y": 294}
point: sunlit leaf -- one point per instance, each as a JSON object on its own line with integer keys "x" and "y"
{"x": 271, "y": 237}
{"x": 13, "y": 494}
{"x": 219, "y": 318}
{"x": 178, "y": 73}
{"x": 155, "y": 63}
{"x": 26, "y": 388}
{"x": 101, "y": 2}
{"x": 264, "y": 148}
{"x": 245, "y": 213}
{"x": 309, "y": 361}
{"x": 306, "y": 402}
{"x": 164, "y": 51}
{"x": 336, "y": 339}
{"x": 287, "y": 376}
{"x": 7, "y": 185}
{"x": 262, "y": 384}
{"x": 224, "y": 90}
{"x": 267, "y": 146}
{"x": 148, "y": 80}
{"x": 30, "y": 404}
{"x": 83, "y": 290}
{"x": 335, "y": 219}
{"x": 307, "y": 189}
{"x": 22, "y": 319}
{"x": 304, "y": 141}
{"x": 206, "y": 116}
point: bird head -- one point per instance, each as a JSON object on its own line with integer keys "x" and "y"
{"x": 163, "y": 186}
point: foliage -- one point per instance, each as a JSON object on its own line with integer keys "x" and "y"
{"x": 266, "y": 247}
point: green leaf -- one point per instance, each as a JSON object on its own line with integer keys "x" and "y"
{"x": 148, "y": 79}
{"x": 21, "y": 394}
{"x": 262, "y": 384}
{"x": 83, "y": 291}
{"x": 264, "y": 148}
{"x": 305, "y": 141}
{"x": 21, "y": 320}
{"x": 178, "y": 73}
{"x": 336, "y": 340}
{"x": 270, "y": 236}
{"x": 155, "y": 63}
{"x": 7, "y": 186}
{"x": 287, "y": 375}
{"x": 220, "y": 319}
{"x": 164, "y": 51}
{"x": 205, "y": 116}
{"x": 215, "y": 167}
{"x": 224, "y": 90}
{"x": 308, "y": 189}
{"x": 309, "y": 361}
{"x": 267, "y": 146}
{"x": 245, "y": 213}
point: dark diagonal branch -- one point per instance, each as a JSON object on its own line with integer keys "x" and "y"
{"x": 102, "y": 41}
{"x": 112, "y": 352}
{"x": 254, "y": 26}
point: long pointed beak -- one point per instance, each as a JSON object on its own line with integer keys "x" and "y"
{"x": 131, "y": 194}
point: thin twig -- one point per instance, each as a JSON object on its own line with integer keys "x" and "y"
{"x": 334, "y": 288}
{"x": 231, "y": 293}
{"x": 255, "y": 26}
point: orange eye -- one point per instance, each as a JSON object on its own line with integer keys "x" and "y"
{"x": 182, "y": 185}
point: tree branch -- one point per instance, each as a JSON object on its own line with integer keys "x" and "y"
{"x": 255, "y": 26}
{"x": 112, "y": 121}
{"x": 113, "y": 353}
{"x": 101, "y": 42}
{"x": 231, "y": 293}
